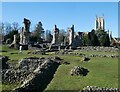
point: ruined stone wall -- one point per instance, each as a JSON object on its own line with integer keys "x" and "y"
{"x": 33, "y": 73}
{"x": 41, "y": 78}
{"x": 99, "y": 48}
{"x": 55, "y": 35}
{"x": 99, "y": 89}
{"x": 71, "y": 35}
{"x": 24, "y": 33}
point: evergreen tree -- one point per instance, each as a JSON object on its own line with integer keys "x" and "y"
{"x": 84, "y": 39}
{"x": 38, "y": 33}
{"x": 93, "y": 39}
{"x": 103, "y": 38}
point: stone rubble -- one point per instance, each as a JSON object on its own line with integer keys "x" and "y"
{"x": 39, "y": 78}
{"x": 24, "y": 67}
{"x": 41, "y": 52}
{"x": 85, "y": 59}
{"x": 77, "y": 70}
{"x": 99, "y": 89}
{"x": 66, "y": 52}
{"x": 99, "y": 48}
{"x": 30, "y": 70}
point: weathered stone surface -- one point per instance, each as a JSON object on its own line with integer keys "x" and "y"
{"x": 71, "y": 52}
{"x": 55, "y": 35}
{"x": 42, "y": 52}
{"x": 71, "y": 35}
{"x": 33, "y": 73}
{"x": 24, "y": 33}
{"x": 98, "y": 48}
{"x": 63, "y": 52}
{"x": 14, "y": 43}
{"x": 53, "y": 47}
{"x": 77, "y": 70}
{"x": 85, "y": 59}
{"x": 24, "y": 67}
{"x": 56, "y": 58}
{"x": 41, "y": 76}
{"x": 102, "y": 56}
{"x": 35, "y": 47}
{"x": 99, "y": 89}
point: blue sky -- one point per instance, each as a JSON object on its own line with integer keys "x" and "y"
{"x": 63, "y": 14}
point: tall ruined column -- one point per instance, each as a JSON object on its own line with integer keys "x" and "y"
{"x": 21, "y": 36}
{"x": 15, "y": 39}
{"x": 14, "y": 43}
{"x": 71, "y": 35}
{"x": 26, "y": 31}
{"x": 55, "y": 35}
{"x": 24, "y": 34}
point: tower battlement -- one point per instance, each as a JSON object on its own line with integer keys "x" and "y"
{"x": 99, "y": 23}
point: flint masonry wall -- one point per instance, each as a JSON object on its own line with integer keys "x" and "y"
{"x": 41, "y": 77}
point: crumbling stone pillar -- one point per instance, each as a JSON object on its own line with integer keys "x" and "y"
{"x": 15, "y": 39}
{"x": 24, "y": 34}
{"x": 55, "y": 35}
{"x": 71, "y": 35}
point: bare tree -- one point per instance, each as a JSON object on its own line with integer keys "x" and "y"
{"x": 2, "y": 28}
{"x": 1, "y": 32}
{"x": 8, "y": 28}
{"x": 15, "y": 26}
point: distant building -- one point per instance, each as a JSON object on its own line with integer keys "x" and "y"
{"x": 99, "y": 23}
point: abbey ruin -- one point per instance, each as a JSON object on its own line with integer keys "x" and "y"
{"x": 70, "y": 39}
{"x": 38, "y": 54}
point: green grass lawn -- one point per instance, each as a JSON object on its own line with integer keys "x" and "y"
{"x": 17, "y": 56}
{"x": 103, "y": 72}
{"x": 8, "y": 87}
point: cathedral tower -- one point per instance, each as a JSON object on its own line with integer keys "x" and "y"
{"x": 99, "y": 23}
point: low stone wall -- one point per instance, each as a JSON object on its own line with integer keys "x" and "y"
{"x": 102, "y": 56}
{"x": 41, "y": 52}
{"x": 78, "y": 70}
{"x": 40, "y": 78}
{"x": 34, "y": 47}
{"x": 99, "y": 48}
{"x": 98, "y": 89}
{"x": 87, "y": 55}
{"x": 22, "y": 69}
{"x": 33, "y": 73}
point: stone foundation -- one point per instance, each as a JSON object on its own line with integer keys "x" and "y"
{"x": 33, "y": 73}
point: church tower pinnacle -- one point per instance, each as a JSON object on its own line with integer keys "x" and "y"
{"x": 99, "y": 23}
